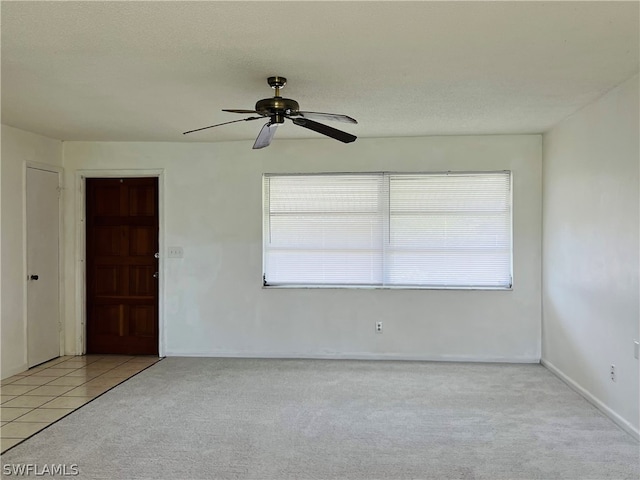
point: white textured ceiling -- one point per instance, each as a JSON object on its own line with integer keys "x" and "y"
{"x": 147, "y": 71}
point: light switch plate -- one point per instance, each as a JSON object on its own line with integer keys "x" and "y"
{"x": 175, "y": 252}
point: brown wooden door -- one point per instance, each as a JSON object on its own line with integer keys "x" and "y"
{"x": 122, "y": 283}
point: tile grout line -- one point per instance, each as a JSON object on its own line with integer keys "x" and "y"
{"x": 122, "y": 380}
{"x": 76, "y": 408}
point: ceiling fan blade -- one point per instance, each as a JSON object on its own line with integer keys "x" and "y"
{"x": 266, "y": 135}
{"x": 325, "y": 130}
{"x": 336, "y": 117}
{"x": 238, "y": 111}
{"x": 225, "y": 123}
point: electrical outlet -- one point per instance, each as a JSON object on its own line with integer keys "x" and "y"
{"x": 378, "y": 327}
{"x": 636, "y": 349}
{"x": 612, "y": 373}
{"x": 175, "y": 252}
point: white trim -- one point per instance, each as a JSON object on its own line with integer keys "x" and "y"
{"x": 81, "y": 175}
{"x": 15, "y": 370}
{"x": 25, "y": 328}
{"x": 44, "y": 166}
{"x": 61, "y": 284}
{"x": 617, "y": 419}
{"x": 358, "y": 356}
{"x": 80, "y": 276}
{"x": 382, "y": 287}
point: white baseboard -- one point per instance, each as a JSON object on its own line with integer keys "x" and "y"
{"x": 618, "y": 420}
{"x": 11, "y": 371}
{"x": 355, "y": 356}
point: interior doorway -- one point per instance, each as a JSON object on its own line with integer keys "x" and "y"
{"x": 122, "y": 265}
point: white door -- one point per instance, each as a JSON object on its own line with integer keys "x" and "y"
{"x": 43, "y": 331}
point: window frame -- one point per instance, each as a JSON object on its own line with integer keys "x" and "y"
{"x": 385, "y": 234}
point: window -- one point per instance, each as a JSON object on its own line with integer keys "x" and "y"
{"x": 444, "y": 230}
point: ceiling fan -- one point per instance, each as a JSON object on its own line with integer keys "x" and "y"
{"x": 278, "y": 109}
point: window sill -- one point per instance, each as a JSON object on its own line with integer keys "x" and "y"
{"x": 381, "y": 287}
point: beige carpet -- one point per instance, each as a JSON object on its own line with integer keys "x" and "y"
{"x": 205, "y": 418}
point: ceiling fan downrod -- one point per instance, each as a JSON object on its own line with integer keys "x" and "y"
{"x": 277, "y": 83}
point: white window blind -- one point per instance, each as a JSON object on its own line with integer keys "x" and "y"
{"x": 448, "y": 230}
{"x": 323, "y": 229}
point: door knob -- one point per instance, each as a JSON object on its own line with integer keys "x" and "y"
{"x": 34, "y": 277}
{"x": 156, "y": 275}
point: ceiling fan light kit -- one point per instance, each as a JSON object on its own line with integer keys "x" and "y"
{"x": 277, "y": 109}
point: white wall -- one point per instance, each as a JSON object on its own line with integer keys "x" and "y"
{"x": 591, "y": 246}
{"x": 214, "y": 301}
{"x": 18, "y": 147}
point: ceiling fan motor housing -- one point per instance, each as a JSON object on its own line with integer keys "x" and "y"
{"x": 276, "y": 108}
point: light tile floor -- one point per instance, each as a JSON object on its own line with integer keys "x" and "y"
{"x": 33, "y": 400}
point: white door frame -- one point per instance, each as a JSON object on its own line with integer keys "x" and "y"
{"x": 81, "y": 234}
{"x": 59, "y": 171}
